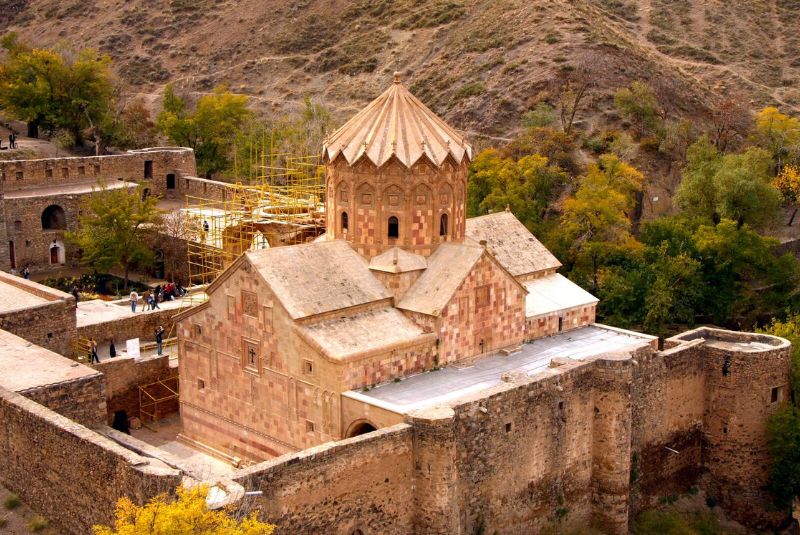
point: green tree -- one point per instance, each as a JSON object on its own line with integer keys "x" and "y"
{"x": 734, "y": 186}
{"x": 783, "y": 427}
{"x": 745, "y": 280}
{"x": 55, "y": 90}
{"x": 210, "y": 129}
{"x": 113, "y": 229}
{"x": 673, "y": 291}
{"x": 638, "y": 104}
{"x": 188, "y": 515}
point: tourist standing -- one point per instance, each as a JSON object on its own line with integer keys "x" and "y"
{"x": 93, "y": 350}
{"x": 112, "y": 349}
{"x": 134, "y": 298}
{"x": 26, "y": 272}
{"x": 154, "y": 301}
{"x": 159, "y": 339}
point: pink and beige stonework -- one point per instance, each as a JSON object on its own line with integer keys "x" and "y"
{"x": 400, "y": 284}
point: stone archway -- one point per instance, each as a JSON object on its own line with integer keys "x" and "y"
{"x": 360, "y": 427}
{"x": 54, "y": 218}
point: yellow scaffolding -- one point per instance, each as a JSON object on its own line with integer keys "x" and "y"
{"x": 280, "y": 201}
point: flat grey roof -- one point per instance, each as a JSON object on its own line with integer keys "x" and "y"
{"x": 453, "y": 382}
{"x": 26, "y": 365}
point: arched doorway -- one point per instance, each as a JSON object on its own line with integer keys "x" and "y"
{"x": 54, "y": 218}
{"x": 360, "y": 427}
{"x": 57, "y": 252}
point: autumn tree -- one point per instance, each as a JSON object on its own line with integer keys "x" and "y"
{"x": 130, "y": 126}
{"x": 526, "y": 186}
{"x": 779, "y": 134}
{"x": 52, "y": 90}
{"x": 597, "y": 220}
{"x": 113, "y": 227}
{"x": 730, "y": 122}
{"x": 210, "y": 128}
{"x": 678, "y": 137}
{"x": 187, "y": 515}
{"x": 788, "y": 183}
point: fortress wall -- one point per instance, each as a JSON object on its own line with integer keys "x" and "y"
{"x": 68, "y": 473}
{"x": 551, "y": 450}
{"x": 738, "y": 405}
{"x": 193, "y": 186}
{"x": 49, "y": 325}
{"x": 362, "y": 483}
{"x": 129, "y": 166}
{"x": 81, "y": 400}
{"x": 31, "y": 242}
{"x": 668, "y": 406}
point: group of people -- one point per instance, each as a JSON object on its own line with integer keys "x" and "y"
{"x": 151, "y": 299}
{"x": 12, "y": 141}
{"x": 112, "y": 349}
{"x": 25, "y": 273}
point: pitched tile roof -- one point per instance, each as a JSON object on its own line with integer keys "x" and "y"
{"x": 511, "y": 243}
{"x": 397, "y": 124}
{"x": 319, "y": 277}
{"x": 363, "y": 332}
{"x": 397, "y": 260}
{"x": 448, "y": 266}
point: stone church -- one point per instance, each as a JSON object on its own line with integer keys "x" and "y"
{"x": 402, "y": 283}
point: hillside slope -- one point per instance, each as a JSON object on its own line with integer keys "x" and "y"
{"x": 480, "y": 63}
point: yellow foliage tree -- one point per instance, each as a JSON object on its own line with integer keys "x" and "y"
{"x": 779, "y": 134}
{"x": 188, "y": 515}
{"x": 788, "y": 182}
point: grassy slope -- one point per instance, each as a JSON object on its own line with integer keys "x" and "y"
{"x": 479, "y": 62}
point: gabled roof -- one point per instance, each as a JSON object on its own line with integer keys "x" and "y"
{"x": 362, "y": 333}
{"x": 511, "y": 243}
{"x": 397, "y": 260}
{"x": 448, "y": 266}
{"x": 397, "y": 124}
{"x": 315, "y": 278}
{"x": 553, "y": 293}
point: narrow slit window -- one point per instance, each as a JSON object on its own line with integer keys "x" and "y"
{"x": 394, "y": 228}
{"x": 345, "y": 222}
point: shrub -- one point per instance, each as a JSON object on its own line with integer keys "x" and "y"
{"x": 12, "y": 501}
{"x": 38, "y": 523}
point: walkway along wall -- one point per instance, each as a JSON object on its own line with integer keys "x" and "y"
{"x": 582, "y": 443}
{"x": 67, "y": 472}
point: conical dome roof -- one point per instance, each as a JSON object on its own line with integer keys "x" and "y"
{"x": 396, "y": 124}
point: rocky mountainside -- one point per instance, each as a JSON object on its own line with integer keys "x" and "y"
{"x": 479, "y": 63}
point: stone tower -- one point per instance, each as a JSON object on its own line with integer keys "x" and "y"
{"x": 396, "y": 175}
